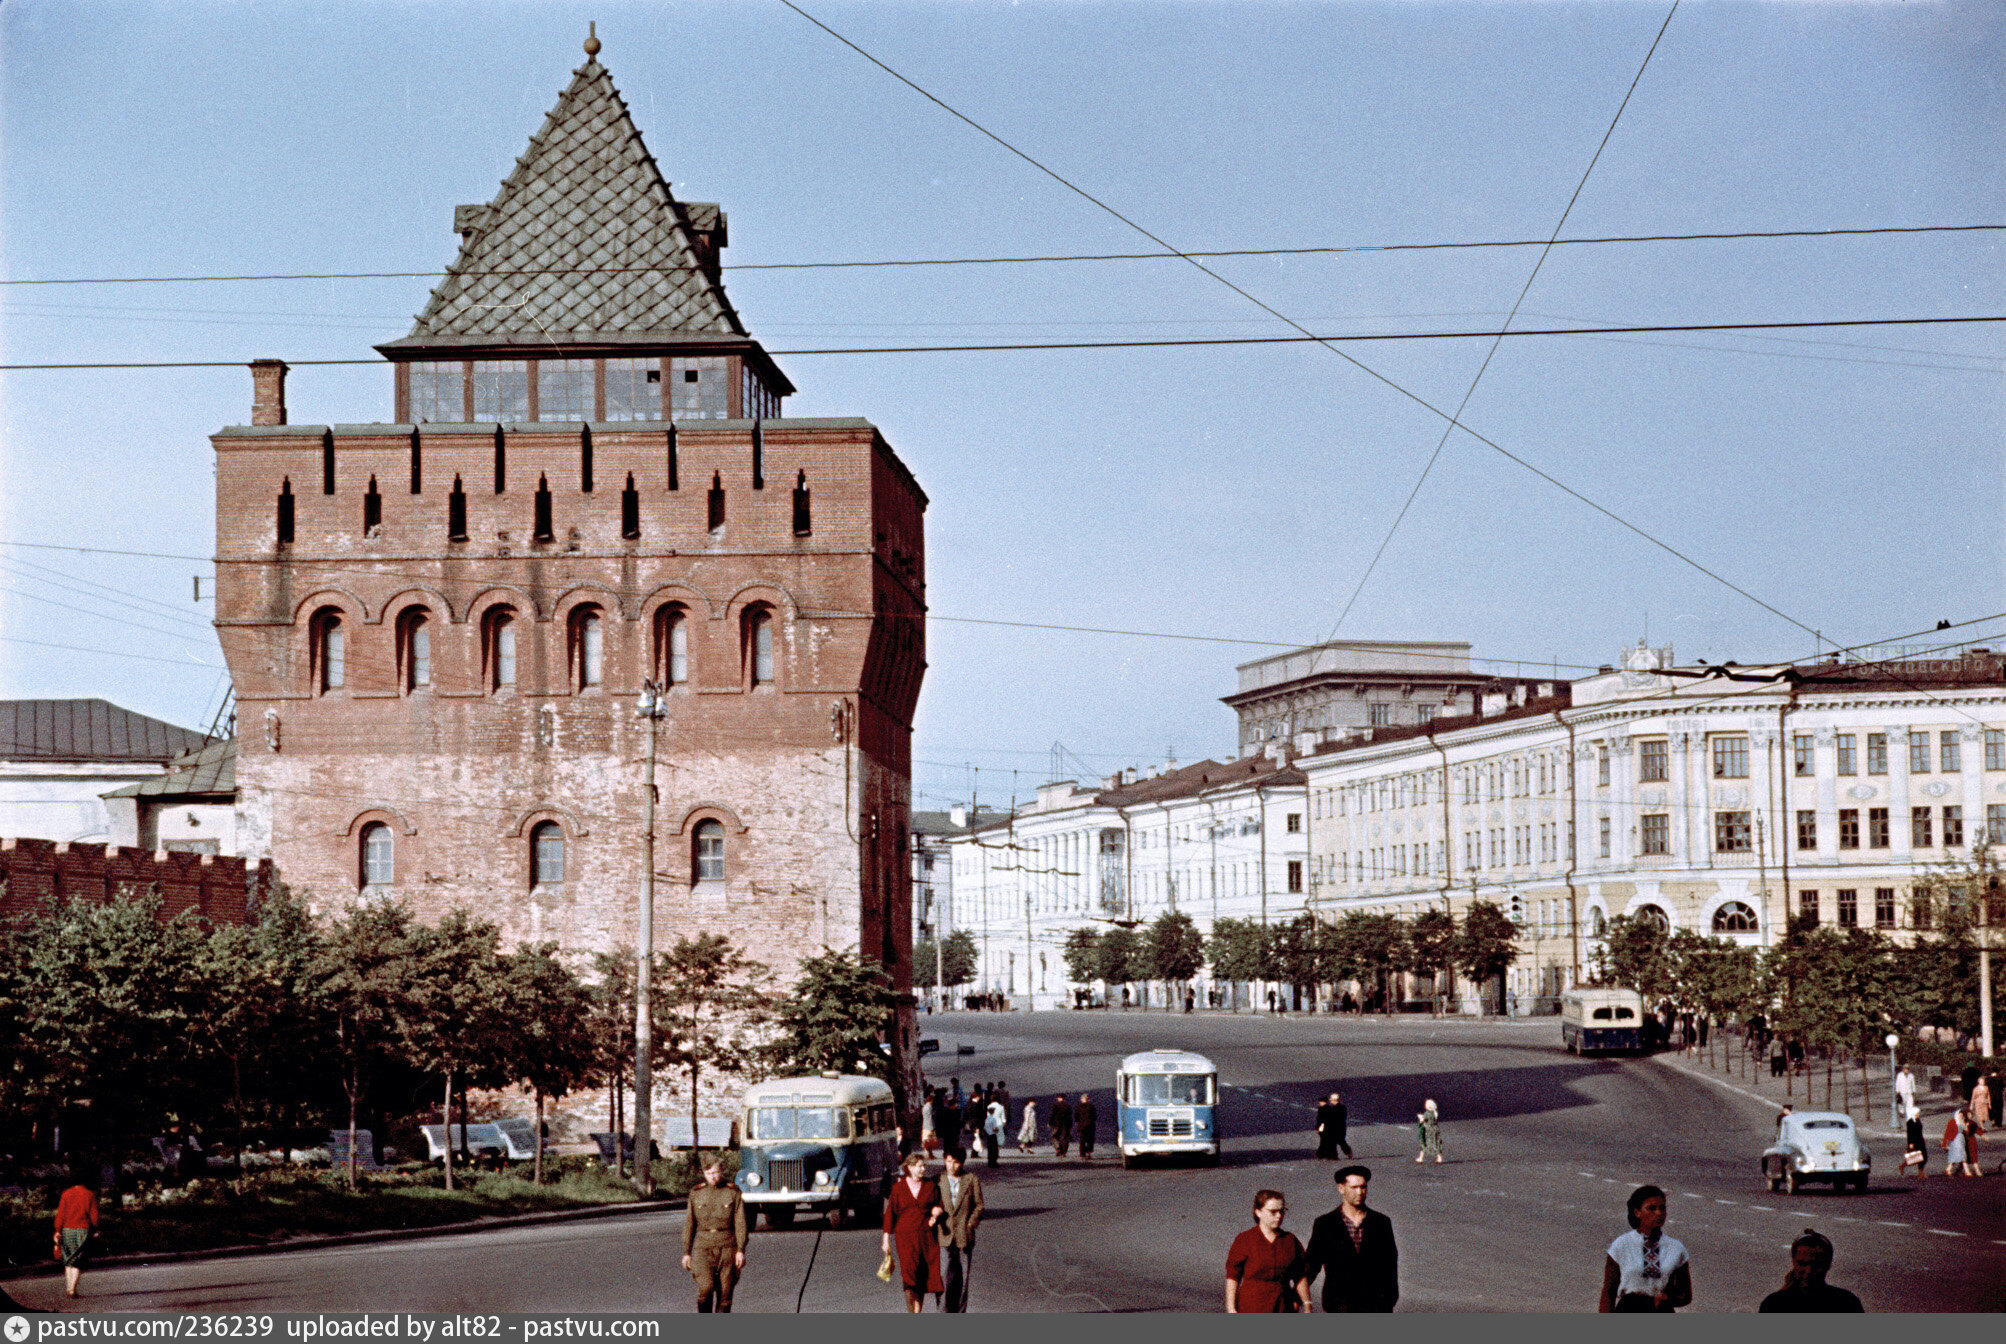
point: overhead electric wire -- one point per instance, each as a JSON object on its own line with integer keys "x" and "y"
{"x": 1428, "y": 468}
{"x": 1307, "y": 337}
{"x": 1022, "y": 260}
{"x": 1417, "y": 399}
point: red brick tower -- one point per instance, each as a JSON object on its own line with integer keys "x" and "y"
{"x": 439, "y": 628}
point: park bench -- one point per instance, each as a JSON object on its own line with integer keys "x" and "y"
{"x": 470, "y": 1139}
{"x": 365, "y": 1148}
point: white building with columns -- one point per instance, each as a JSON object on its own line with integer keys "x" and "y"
{"x": 1719, "y": 799}
{"x": 1211, "y": 840}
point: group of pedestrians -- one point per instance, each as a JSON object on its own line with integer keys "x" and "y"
{"x": 982, "y": 1115}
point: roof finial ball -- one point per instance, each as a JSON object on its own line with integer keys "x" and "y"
{"x": 592, "y": 41}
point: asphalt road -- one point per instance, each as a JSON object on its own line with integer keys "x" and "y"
{"x": 1542, "y": 1148}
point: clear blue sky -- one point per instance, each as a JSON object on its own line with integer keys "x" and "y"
{"x": 1850, "y": 477}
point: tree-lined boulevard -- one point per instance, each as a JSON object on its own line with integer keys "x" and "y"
{"x": 1542, "y": 1148}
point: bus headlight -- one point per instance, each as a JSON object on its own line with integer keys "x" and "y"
{"x": 748, "y": 1179}
{"x": 821, "y": 1178}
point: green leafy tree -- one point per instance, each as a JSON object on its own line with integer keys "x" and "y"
{"x": 1716, "y": 976}
{"x": 1432, "y": 937}
{"x": 953, "y": 957}
{"x": 1489, "y": 945}
{"x": 550, "y": 1031}
{"x": 712, "y": 996}
{"x": 1083, "y": 955}
{"x": 1370, "y": 947}
{"x": 1636, "y": 953}
{"x": 1120, "y": 957}
{"x": 1294, "y": 952}
{"x": 360, "y": 986}
{"x": 838, "y": 1016}
{"x": 455, "y": 1017}
{"x": 1175, "y": 949}
{"x": 1235, "y": 950}
{"x": 612, "y": 1018}
{"x": 108, "y": 1000}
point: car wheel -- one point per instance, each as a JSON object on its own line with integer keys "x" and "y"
{"x": 1860, "y": 1181}
{"x": 1794, "y": 1182}
{"x": 1127, "y": 1162}
{"x": 1775, "y": 1185}
{"x": 839, "y": 1216}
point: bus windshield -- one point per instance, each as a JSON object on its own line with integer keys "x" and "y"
{"x": 1169, "y": 1089}
{"x": 808, "y": 1122}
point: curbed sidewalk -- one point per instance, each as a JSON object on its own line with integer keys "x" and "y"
{"x": 320, "y": 1241}
{"x": 1806, "y": 1091}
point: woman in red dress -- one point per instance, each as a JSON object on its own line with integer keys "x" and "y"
{"x": 910, "y": 1213}
{"x": 1264, "y": 1269}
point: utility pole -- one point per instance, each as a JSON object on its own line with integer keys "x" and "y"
{"x": 653, "y": 708}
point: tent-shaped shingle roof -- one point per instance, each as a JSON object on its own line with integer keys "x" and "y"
{"x": 583, "y": 244}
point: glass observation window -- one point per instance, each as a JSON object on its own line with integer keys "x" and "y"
{"x": 633, "y": 389}
{"x": 564, "y": 389}
{"x": 437, "y": 392}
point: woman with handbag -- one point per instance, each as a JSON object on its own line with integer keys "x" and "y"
{"x": 910, "y": 1213}
{"x": 1915, "y": 1153}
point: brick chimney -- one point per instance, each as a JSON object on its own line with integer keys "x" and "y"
{"x": 268, "y": 391}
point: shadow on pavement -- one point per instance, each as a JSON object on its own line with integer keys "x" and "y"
{"x": 1465, "y": 1095}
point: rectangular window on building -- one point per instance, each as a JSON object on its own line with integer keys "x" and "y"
{"x": 564, "y": 389}
{"x": 1877, "y": 828}
{"x": 1651, "y": 760}
{"x": 1730, "y": 758}
{"x": 1918, "y": 753}
{"x": 1379, "y": 714}
{"x": 1807, "y": 906}
{"x": 1295, "y": 874}
{"x": 438, "y": 392}
{"x": 1995, "y": 748}
{"x": 501, "y": 390}
{"x": 1295, "y": 822}
{"x": 1920, "y": 830}
{"x": 1603, "y": 837}
{"x": 1849, "y": 828}
{"x": 1602, "y": 767}
{"x": 1877, "y": 753}
{"x": 1802, "y": 757}
{"x": 1807, "y": 828}
{"x": 1949, "y": 752}
{"x": 1995, "y": 824}
{"x": 1732, "y": 833}
{"x": 1849, "y": 908}
{"x": 1849, "y": 761}
{"x": 1656, "y": 831}
{"x": 633, "y": 389}
{"x": 698, "y": 389}
{"x": 1953, "y": 828}
{"x": 1884, "y": 907}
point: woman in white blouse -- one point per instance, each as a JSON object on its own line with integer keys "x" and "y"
{"x": 1645, "y": 1270}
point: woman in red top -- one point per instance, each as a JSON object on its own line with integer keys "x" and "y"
{"x": 910, "y": 1213}
{"x": 1264, "y": 1269}
{"x": 76, "y": 1220}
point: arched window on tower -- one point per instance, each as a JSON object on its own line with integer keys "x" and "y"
{"x": 414, "y": 648}
{"x": 498, "y": 647}
{"x": 759, "y": 645}
{"x": 672, "y": 645}
{"x": 546, "y": 854}
{"x": 329, "y": 650}
{"x": 285, "y": 520}
{"x": 588, "y": 648}
{"x": 378, "y": 856}
{"x": 801, "y": 517}
{"x": 707, "y": 852}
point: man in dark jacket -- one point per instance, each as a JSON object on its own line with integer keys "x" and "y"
{"x": 1352, "y": 1247}
{"x": 1087, "y": 1119}
{"x": 1062, "y": 1125}
{"x": 1333, "y": 1118}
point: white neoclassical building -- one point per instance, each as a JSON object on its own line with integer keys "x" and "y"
{"x": 1715, "y": 799}
{"x": 1211, "y": 840}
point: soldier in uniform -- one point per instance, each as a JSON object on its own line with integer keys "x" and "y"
{"x": 715, "y": 1231}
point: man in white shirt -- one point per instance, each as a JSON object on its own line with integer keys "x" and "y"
{"x": 1904, "y": 1090}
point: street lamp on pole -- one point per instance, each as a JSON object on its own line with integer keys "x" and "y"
{"x": 653, "y": 708}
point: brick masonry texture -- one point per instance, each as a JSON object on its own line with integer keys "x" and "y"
{"x": 221, "y": 890}
{"x": 809, "y": 776}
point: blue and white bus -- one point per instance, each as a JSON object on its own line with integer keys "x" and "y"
{"x": 1167, "y": 1102}
{"x": 820, "y": 1143}
{"x": 1598, "y": 1018}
